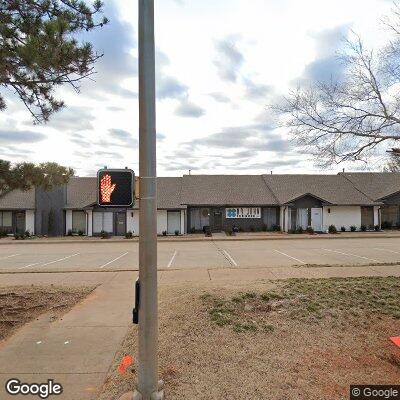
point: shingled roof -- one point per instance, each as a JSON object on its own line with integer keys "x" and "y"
{"x": 82, "y": 192}
{"x": 226, "y": 190}
{"x": 334, "y": 189}
{"x": 18, "y": 200}
{"x": 375, "y": 185}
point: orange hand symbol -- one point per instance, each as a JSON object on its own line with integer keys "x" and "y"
{"x": 106, "y": 188}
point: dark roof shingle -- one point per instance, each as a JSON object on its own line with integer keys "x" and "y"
{"x": 334, "y": 189}
{"x": 226, "y": 190}
{"x": 375, "y": 185}
{"x": 18, "y": 200}
{"x": 82, "y": 192}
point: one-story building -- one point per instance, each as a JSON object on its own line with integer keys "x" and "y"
{"x": 320, "y": 201}
{"x": 194, "y": 203}
{"x": 83, "y": 215}
{"x": 222, "y": 202}
{"x": 383, "y": 188}
{"x": 17, "y": 212}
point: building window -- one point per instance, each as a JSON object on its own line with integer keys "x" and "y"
{"x": 103, "y": 221}
{"x": 79, "y": 221}
{"x": 6, "y": 219}
{"x": 199, "y": 218}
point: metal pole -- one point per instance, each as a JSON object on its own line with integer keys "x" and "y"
{"x": 148, "y": 387}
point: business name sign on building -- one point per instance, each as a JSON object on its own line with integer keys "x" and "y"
{"x": 115, "y": 187}
{"x": 243, "y": 212}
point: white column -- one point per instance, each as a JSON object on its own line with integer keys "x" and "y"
{"x": 68, "y": 221}
{"x": 30, "y": 221}
{"x": 89, "y": 219}
{"x": 183, "y": 225}
{"x": 376, "y": 215}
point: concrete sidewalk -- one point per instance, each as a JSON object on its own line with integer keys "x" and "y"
{"x": 78, "y": 349}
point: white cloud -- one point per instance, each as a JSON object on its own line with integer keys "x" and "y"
{"x": 218, "y": 63}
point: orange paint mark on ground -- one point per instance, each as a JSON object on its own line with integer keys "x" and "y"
{"x": 396, "y": 340}
{"x": 125, "y": 363}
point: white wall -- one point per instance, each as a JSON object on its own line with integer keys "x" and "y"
{"x": 284, "y": 215}
{"x": 68, "y": 221}
{"x": 132, "y": 221}
{"x": 162, "y": 221}
{"x": 183, "y": 222}
{"x": 89, "y": 222}
{"x": 30, "y": 221}
{"x": 376, "y": 215}
{"x": 341, "y": 216}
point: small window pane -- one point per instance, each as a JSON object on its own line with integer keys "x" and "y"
{"x": 7, "y": 219}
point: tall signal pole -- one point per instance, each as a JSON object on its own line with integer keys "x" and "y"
{"x": 148, "y": 387}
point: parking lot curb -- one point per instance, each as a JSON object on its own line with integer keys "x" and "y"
{"x": 208, "y": 239}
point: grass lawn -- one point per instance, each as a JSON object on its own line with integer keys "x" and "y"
{"x": 292, "y": 339}
{"x": 21, "y": 304}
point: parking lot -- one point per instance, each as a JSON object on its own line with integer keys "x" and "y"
{"x": 188, "y": 255}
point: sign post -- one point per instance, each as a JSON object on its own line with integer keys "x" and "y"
{"x": 148, "y": 386}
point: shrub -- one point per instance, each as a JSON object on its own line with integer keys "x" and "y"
{"x": 387, "y": 225}
{"x": 353, "y": 228}
{"x": 363, "y": 228}
{"x": 377, "y": 228}
{"x": 129, "y": 235}
{"x": 80, "y": 232}
{"x": 265, "y": 228}
{"x": 371, "y": 227}
{"x": 343, "y": 229}
{"x": 176, "y": 232}
{"x": 164, "y": 233}
{"x": 276, "y": 228}
{"x": 3, "y": 233}
{"x": 332, "y": 229}
{"x": 310, "y": 230}
{"x": 19, "y": 236}
{"x": 299, "y": 229}
{"x": 235, "y": 229}
{"x": 69, "y": 232}
{"x": 193, "y": 230}
{"x": 104, "y": 235}
{"x": 27, "y": 234}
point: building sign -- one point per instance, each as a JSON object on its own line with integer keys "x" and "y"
{"x": 243, "y": 212}
{"x": 115, "y": 187}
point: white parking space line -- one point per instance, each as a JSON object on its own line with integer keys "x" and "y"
{"x": 352, "y": 255}
{"x": 12, "y": 255}
{"x": 389, "y": 251}
{"x": 29, "y": 265}
{"x": 172, "y": 259}
{"x": 293, "y": 258}
{"x": 115, "y": 259}
{"x": 60, "y": 259}
{"x": 230, "y": 258}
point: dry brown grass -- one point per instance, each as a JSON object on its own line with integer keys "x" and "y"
{"x": 21, "y": 304}
{"x": 295, "y": 339}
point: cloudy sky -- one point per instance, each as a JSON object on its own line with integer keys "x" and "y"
{"x": 219, "y": 63}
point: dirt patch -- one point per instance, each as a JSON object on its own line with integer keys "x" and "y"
{"x": 21, "y": 304}
{"x": 307, "y": 339}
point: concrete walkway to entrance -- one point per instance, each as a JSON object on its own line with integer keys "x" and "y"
{"x": 78, "y": 349}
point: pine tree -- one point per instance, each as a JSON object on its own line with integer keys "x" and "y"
{"x": 39, "y": 50}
